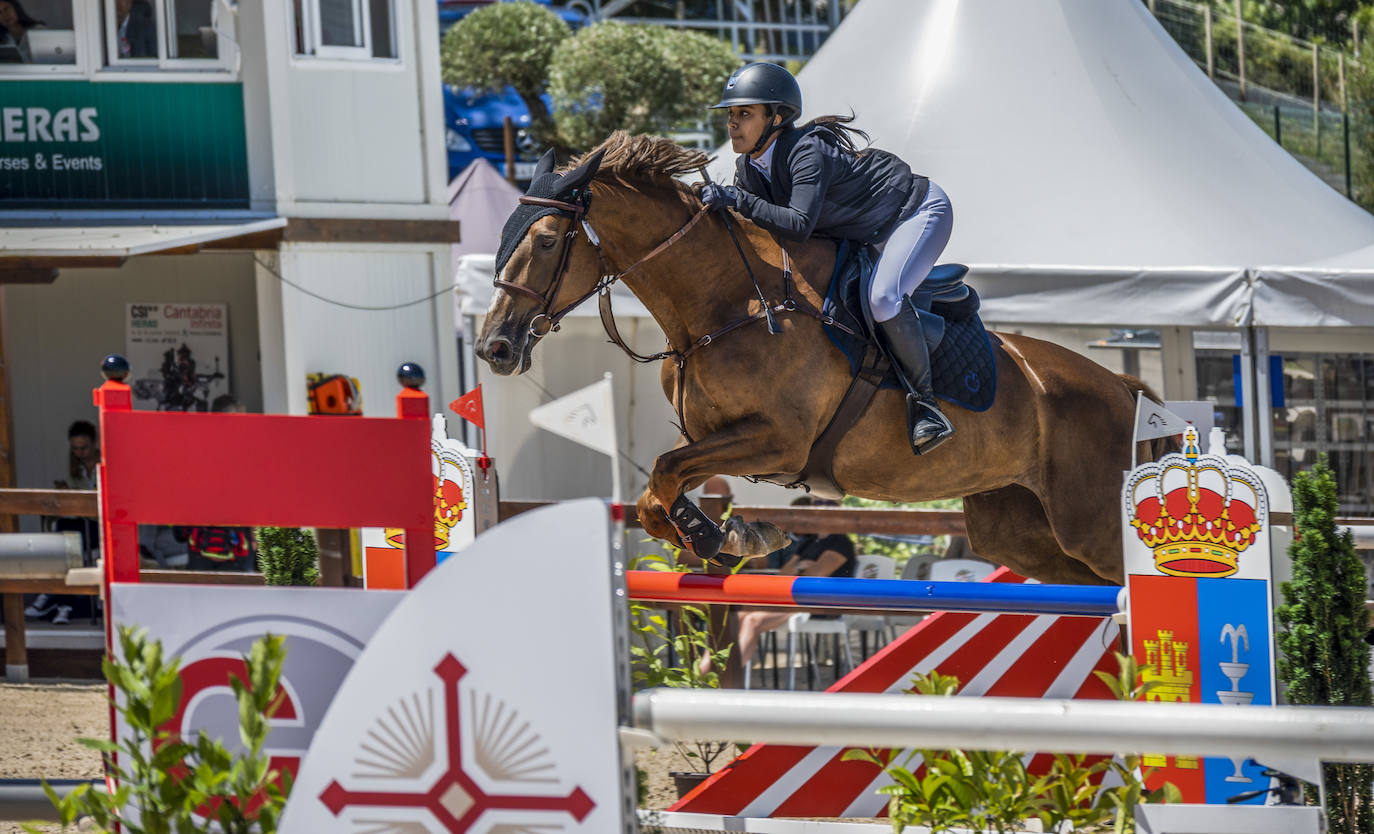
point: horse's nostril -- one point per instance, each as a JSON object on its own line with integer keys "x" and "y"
{"x": 499, "y": 349}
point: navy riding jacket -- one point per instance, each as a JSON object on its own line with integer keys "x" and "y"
{"x": 815, "y": 187}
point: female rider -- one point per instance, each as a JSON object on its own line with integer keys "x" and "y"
{"x": 799, "y": 181}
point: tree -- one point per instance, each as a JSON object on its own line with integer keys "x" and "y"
{"x": 506, "y": 44}
{"x": 1325, "y": 659}
{"x": 637, "y": 78}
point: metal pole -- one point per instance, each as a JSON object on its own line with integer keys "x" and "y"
{"x": 1345, "y": 128}
{"x": 508, "y": 134}
{"x": 1207, "y": 30}
{"x": 1317, "y": 93}
{"x": 1264, "y": 410}
{"x": 1278, "y": 126}
{"x": 844, "y": 719}
{"x": 1340, "y": 79}
{"x": 23, "y": 799}
{"x": 1247, "y": 391}
{"x": 1240, "y": 47}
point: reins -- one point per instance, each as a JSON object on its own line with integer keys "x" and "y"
{"x": 578, "y": 208}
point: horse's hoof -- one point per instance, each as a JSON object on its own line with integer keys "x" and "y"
{"x": 726, "y": 560}
{"x": 753, "y": 538}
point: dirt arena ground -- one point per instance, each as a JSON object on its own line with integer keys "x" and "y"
{"x": 39, "y": 725}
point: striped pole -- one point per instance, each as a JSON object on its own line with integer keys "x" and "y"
{"x": 880, "y": 596}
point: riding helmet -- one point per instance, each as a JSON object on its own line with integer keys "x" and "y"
{"x": 763, "y": 83}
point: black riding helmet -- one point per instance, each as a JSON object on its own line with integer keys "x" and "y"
{"x": 763, "y": 83}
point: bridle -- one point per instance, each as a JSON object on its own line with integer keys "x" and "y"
{"x": 547, "y": 320}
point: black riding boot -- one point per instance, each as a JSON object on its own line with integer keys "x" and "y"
{"x": 906, "y": 347}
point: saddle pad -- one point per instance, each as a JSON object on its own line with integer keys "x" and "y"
{"x": 963, "y": 370}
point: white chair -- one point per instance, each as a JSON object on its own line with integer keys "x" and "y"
{"x": 872, "y": 566}
{"x": 930, "y": 567}
{"x": 960, "y": 570}
{"x": 807, "y": 626}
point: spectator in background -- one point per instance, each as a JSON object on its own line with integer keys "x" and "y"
{"x": 15, "y": 24}
{"x": 83, "y": 455}
{"x": 137, "y": 29}
{"x": 221, "y": 548}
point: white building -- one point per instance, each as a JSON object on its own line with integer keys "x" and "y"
{"x": 281, "y": 158}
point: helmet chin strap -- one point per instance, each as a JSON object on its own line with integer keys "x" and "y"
{"x": 767, "y": 132}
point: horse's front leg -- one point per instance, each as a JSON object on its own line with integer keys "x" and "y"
{"x": 743, "y": 448}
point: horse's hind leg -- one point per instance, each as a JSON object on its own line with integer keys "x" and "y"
{"x": 1009, "y": 526}
{"x": 744, "y": 448}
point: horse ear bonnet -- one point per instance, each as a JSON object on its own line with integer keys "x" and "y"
{"x": 547, "y": 185}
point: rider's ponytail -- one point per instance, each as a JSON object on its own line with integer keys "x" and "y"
{"x": 838, "y": 126}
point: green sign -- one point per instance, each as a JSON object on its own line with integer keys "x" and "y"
{"x": 83, "y": 144}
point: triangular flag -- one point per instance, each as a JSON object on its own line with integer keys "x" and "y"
{"x": 469, "y": 407}
{"x": 585, "y": 416}
{"x": 1154, "y": 420}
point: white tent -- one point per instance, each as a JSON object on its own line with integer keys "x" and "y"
{"x": 1336, "y": 291}
{"x": 1097, "y": 176}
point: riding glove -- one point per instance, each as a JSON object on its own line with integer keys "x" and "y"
{"x": 720, "y": 197}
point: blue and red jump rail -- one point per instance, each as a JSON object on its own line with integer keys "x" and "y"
{"x": 873, "y": 596}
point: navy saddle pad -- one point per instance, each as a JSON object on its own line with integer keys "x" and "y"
{"x": 963, "y": 370}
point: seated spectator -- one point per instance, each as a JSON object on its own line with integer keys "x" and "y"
{"x": 221, "y": 548}
{"x": 15, "y": 24}
{"x": 83, "y": 455}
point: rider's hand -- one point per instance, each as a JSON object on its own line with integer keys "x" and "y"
{"x": 720, "y": 197}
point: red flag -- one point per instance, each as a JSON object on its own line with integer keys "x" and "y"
{"x": 469, "y": 407}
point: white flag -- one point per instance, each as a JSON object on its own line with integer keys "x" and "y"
{"x": 1154, "y": 420}
{"x": 585, "y": 416}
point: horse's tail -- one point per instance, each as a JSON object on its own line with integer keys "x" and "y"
{"x": 1160, "y": 446}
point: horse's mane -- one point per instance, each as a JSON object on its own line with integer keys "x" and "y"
{"x": 646, "y": 158}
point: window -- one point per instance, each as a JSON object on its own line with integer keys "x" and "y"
{"x": 347, "y": 29}
{"x": 37, "y": 36}
{"x": 181, "y": 34}
{"x": 1327, "y": 406}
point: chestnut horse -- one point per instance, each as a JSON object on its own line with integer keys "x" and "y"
{"x": 1039, "y": 471}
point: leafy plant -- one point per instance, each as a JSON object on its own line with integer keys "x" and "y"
{"x": 682, "y": 656}
{"x": 173, "y": 785}
{"x": 288, "y": 556}
{"x": 1323, "y": 656}
{"x": 994, "y": 791}
{"x": 506, "y": 44}
{"x": 637, "y": 78}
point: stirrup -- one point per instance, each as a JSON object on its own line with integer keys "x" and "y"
{"x": 698, "y": 532}
{"x": 937, "y": 429}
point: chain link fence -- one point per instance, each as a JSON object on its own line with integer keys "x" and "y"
{"x": 1306, "y": 94}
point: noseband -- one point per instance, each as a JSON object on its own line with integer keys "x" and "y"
{"x": 545, "y": 321}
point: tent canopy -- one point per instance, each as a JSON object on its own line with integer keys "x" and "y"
{"x": 1097, "y": 176}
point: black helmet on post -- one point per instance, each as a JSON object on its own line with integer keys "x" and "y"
{"x": 763, "y": 83}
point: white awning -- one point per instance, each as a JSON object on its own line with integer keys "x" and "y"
{"x": 122, "y": 241}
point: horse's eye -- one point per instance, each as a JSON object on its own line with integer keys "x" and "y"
{"x": 547, "y": 241}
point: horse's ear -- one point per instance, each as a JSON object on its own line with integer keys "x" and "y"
{"x": 544, "y": 165}
{"x": 582, "y": 174}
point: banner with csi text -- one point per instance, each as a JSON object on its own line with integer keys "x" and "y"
{"x": 179, "y": 354}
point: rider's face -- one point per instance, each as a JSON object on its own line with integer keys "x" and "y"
{"x": 746, "y": 125}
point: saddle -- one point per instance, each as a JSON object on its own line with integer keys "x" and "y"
{"x": 963, "y": 369}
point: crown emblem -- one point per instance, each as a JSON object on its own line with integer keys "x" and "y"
{"x": 449, "y": 500}
{"x": 1197, "y": 512}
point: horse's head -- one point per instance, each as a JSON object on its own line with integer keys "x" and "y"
{"x": 540, "y": 271}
